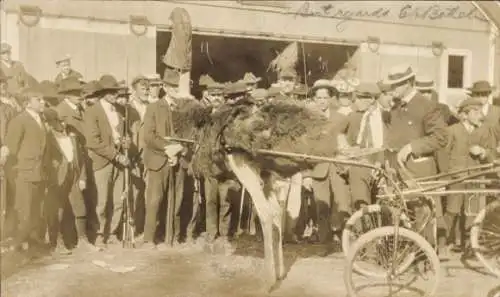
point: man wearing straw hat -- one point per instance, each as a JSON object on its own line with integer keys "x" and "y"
{"x": 104, "y": 134}
{"x": 26, "y": 141}
{"x": 416, "y": 130}
{"x": 63, "y": 63}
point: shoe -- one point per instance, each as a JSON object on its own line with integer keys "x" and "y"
{"x": 112, "y": 239}
{"x": 61, "y": 249}
{"x": 84, "y": 245}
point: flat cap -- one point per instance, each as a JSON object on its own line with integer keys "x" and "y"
{"x": 63, "y": 58}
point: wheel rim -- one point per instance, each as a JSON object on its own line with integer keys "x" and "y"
{"x": 420, "y": 278}
{"x": 485, "y": 238}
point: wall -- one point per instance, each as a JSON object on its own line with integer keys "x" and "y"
{"x": 346, "y": 22}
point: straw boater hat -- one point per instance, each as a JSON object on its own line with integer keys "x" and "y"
{"x": 424, "y": 83}
{"x": 398, "y": 74}
{"x": 250, "y": 78}
{"x": 323, "y": 84}
{"x": 70, "y": 86}
{"x": 5, "y": 48}
{"x": 259, "y": 94}
{"x": 481, "y": 86}
{"x": 64, "y": 58}
{"x": 236, "y": 88}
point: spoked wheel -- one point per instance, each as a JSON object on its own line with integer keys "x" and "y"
{"x": 368, "y": 218}
{"x": 485, "y": 237}
{"x": 383, "y": 251}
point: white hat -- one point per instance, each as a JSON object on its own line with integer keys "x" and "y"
{"x": 399, "y": 73}
{"x": 424, "y": 83}
{"x": 323, "y": 84}
{"x": 345, "y": 86}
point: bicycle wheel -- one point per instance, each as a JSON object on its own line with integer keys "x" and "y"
{"x": 368, "y": 218}
{"x": 390, "y": 251}
{"x": 485, "y": 237}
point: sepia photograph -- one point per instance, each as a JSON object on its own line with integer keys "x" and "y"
{"x": 220, "y": 148}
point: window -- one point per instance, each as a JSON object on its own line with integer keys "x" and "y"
{"x": 456, "y": 71}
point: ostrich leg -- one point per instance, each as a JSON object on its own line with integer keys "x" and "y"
{"x": 249, "y": 177}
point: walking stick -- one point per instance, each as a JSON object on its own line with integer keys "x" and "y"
{"x": 128, "y": 236}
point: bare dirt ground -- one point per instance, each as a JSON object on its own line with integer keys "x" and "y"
{"x": 195, "y": 272}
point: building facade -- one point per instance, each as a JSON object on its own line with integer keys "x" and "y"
{"x": 451, "y": 41}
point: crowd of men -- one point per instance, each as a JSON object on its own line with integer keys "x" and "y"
{"x": 68, "y": 146}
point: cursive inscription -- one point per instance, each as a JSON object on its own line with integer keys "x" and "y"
{"x": 407, "y": 12}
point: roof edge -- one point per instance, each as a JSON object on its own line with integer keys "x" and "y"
{"x": 486, "y": 15}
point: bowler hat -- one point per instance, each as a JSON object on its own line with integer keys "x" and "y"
{"x": 90, "y": 88}
{"x": 5, "y": 48}
{"x": 171, "y": 77}
{"x": 481, "y": 86}
{"x": 469, "y": 103}
{"x": 250, "y": 78}
{"x": 108, "y": 82}
{"x": 323, "y": 84}
{"x": 398, "y": 74}
{"x": 70, "y": 85}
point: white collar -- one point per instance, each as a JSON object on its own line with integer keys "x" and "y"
{"x": 107, "y": 105}
{"x": 406, "y": 99}
{"x": 169, "y": 100}
{"x": 71, "y": 104}
{"x": 35, "y": 115}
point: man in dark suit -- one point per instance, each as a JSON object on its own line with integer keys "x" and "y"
{"x": 26, "y": 141}
{"x": 416, "y": 130}
{"x": 64, "y": 65}
{"x": 160, "y": 156}
{"x": 104, "y": 130}
{"x": 18, "y": 78}
{"x": 482, "y": 90}
{"x": 66, "y": 183}
{"x": 70, "y": 109}
{"x": 325, "y": 180}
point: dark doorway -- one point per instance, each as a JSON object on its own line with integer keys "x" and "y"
{"x": 229, "y": 58}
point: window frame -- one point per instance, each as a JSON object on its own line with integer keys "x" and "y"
{"x": 467, "y": 54}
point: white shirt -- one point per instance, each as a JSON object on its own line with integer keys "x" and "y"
{"x": 72, "y": 105}
{"x": 406, "y": 99}
{"x": 66, "y": 145}
{"x": 35, "y": 116}
{"x": 376, "y": 126}
{"x": 345, "y": 110}
{"x": 140, "y": 107}
{"x": 113, "y": 118}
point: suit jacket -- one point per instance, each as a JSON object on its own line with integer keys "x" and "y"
{"x": 419, "y": 122}
{"x": 460, "y": 141}
{"x": 61, "y": 167}
{"x": 157, "y": 125}
{"x": 321, "y": 170}
{"x": 136, "y": 125}
{"x": 99, "y": 136}
{"x": 27, "y": 143}
{"x": 73, "y": 120}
